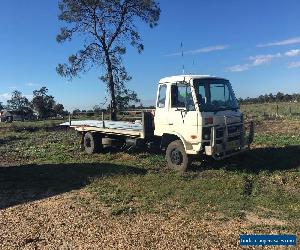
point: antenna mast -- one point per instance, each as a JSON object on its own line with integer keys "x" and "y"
{"x": 181, "y": 46}
{"x": 193, "y": 67}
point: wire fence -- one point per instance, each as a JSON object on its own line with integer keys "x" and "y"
{"x": 271, "y": 110}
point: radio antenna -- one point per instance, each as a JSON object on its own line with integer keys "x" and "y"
{"x": 193, "y": 67}
{"x": 181, "y": 46}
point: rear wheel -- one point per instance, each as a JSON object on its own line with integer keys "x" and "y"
{"x": 176, "y": 156}
{"x": 92, "y": 143}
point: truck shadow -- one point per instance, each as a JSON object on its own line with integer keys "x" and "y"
{"x": 21, "y": 184}
{"x": 256, "y": 160}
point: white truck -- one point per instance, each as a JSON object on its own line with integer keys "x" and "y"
{"x": 195, "y": 115}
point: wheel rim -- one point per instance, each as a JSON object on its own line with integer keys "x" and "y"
{"x": 176, "y": 157}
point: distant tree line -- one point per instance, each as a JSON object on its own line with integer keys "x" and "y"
{"x": 124, "y": 105}
{"x": 267, "y": 98}
{"x": 41, "y": 106}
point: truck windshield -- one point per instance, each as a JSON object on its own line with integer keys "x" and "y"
{"x": 215, "y": 95}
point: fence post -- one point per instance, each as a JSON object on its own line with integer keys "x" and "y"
{"x": 277, "y": 110}
{"x": 290, "y": 110}
{"x": 103, "y": 123}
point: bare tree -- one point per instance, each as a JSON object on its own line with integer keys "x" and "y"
{"x": 106, "y": 26}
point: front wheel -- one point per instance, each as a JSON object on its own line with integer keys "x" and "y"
{"x": 176, "y": 157}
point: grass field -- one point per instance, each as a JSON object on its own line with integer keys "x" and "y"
{"x": 265, "y": 110}
{"x": 211, "y": 204}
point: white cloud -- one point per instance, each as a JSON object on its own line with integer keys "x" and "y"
{"x": 29, "y": 97}
{"x": 207, "y": 49}
{"x": 4, "y": 97}
{"x": 294, "y": 64}
{"x": 294, "y": 40}
{"x": 264, "y": 59}
{"x": 200, "y": 50}
{"x": 254, "y": 62}
{"x": 30, "y": 84}
{"x": 239, "y": 68}
{"x": 293, "y": 52}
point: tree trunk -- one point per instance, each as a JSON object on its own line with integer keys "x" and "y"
{"x": 113, "y": 106}
{"x": 111, "y": 87}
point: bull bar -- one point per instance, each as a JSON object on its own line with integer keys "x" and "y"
{"x": 229, "y": 148}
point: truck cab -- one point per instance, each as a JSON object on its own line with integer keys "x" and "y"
{"x": 201, "y": 112}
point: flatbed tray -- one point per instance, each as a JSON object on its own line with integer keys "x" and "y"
{"x": 107, "y": 126}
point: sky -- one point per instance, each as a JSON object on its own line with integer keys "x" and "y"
{"x": 255, "y": 44}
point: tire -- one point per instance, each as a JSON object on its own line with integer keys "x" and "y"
{"x": 92, "y": 143}
{"x": 176, "y": 157}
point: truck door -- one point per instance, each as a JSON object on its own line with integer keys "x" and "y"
{"x": 182, "y": 115}
{"x": 161, "y": 119}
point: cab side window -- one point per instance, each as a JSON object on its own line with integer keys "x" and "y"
{"x": 181, "y": 97}
{"x": 161, "y": 101}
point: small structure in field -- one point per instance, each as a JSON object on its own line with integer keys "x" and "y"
{"x": 16, "y": 115}
{"x": 5, "y": 116}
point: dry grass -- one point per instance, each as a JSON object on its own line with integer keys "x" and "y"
{"x": 60, "y": 222}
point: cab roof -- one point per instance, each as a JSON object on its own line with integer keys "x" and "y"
{"x": 187, "y": 78}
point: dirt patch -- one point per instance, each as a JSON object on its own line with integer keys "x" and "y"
{"x": 272, "y": 127}
{"x": 61, "y": 222}
{"x": 256, "y": 220}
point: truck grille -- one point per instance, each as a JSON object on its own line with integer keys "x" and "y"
{"x": 219, "y": 132}
{"x": 234, "y": 138}
{"x": 234, "y": 129}
{"x": 234, "y": 133}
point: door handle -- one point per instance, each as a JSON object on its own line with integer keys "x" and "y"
{"x": 170, "y": 123}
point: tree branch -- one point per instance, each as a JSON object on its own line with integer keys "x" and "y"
{"x": 120, "y": 24}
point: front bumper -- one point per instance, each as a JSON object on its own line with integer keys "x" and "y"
{"x": 229, "y": 144}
